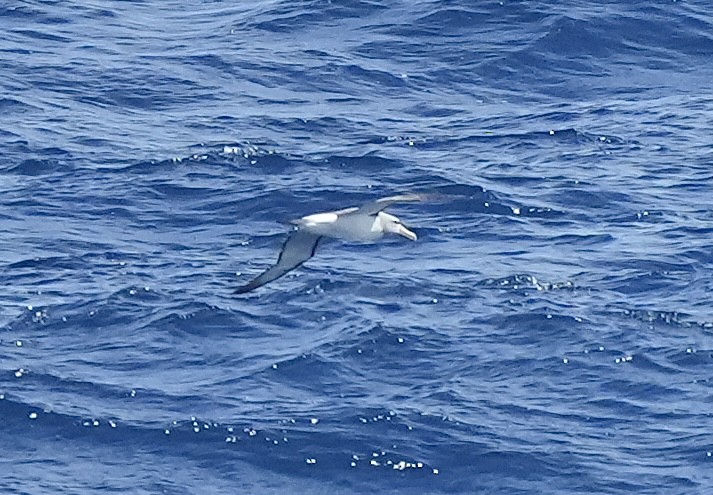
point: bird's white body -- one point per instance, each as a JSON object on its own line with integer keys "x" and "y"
{"x": 350, "y": 226}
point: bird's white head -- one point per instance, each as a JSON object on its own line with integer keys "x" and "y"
{"x": 393, "y": 225}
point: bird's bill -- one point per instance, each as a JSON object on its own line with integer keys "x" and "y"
{"x": 407, "y": 233}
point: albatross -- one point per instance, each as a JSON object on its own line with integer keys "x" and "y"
{"x": 365, "y": 223}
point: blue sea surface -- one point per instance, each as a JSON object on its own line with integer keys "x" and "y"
{"x": 550, "y": 332}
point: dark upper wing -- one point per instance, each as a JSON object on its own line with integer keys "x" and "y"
{"x": 376, "y": 206}
{"x": 299, "y": 247}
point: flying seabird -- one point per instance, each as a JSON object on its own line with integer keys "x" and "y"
{"x": 362, "y": 224}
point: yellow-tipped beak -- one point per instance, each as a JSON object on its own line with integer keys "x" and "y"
{"x": 407, "y": 233}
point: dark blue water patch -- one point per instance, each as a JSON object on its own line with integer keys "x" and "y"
{"x": 618, "y": 218}
{"x": 589, "y": 197}
{"x": 577, "y": 38}
{"x": 555, "y": 137}
{"x": 271, "y": 163}
{"x": 380, "y": 343}
{"x": 641, "y": 282}
{"x": 41, "y": 264}
{"x": 212, "y": 162}
{"x": 320, "y": 125}
{"x": 537, "y": 324}
{"x": 659, "y": 317}
{"x": 693, "y": 185}
{"x": 659, "y": 361}
{"x": 45, "y": 161}
{"x": 461, "y": 19}
{"x": 653, "y": 267}
{"x": 149, "y": 94}
{"x": 696, "y": 256}
{"x": 686, "y": 35}
{"x": 167, "y": 191}
{"x": 450, "y": 21}
{"x": 14, "y": 105}
{"x": 695, "y": 361}
{"x": 213, "y": 60}
{"x": 33, "y": 13}
{"x": 315, "y": 13}
{"x": 310, "y": 372}
{"x": 598, "y": 39}
{"x": 22, "y": 418}
{"x": 368, "y": 163}
{"x": 41, "y": 35}
{"x": 19, "y": 12}
{"x": 60, "y": 389}
{"x": 582, "y": 240}
{"x": 202, "y": 321}
{"x": 431, "y": 111}
{"x": 376, "y": 79}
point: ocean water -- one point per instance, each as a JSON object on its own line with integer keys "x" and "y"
{"x": 551, "y": 331}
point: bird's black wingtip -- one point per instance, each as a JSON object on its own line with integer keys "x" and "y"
{"x": 244, "y": 289}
